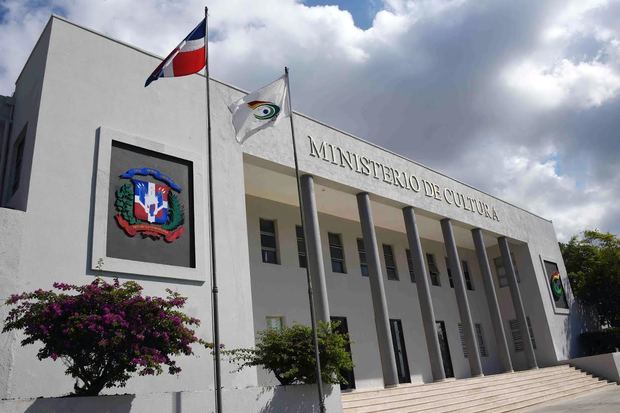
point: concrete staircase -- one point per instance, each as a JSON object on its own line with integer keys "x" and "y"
{"x": 508, "y": 392}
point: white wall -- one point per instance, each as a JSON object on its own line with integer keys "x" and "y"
{"x": 280, "y": 290}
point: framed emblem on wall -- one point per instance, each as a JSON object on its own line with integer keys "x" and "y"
{"x": 148, "y": 219}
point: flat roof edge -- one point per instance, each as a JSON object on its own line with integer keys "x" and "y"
{"x": 55, "y": 16}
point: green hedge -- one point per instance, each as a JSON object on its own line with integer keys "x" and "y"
{"x": 600, "y": 342}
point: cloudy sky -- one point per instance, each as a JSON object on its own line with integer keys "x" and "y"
{"x": 517, "y": 98}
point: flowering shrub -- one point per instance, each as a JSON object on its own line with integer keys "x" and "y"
{"x": 104, "y": 332}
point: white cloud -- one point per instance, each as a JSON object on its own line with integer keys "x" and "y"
{"x": 526, "y": 90}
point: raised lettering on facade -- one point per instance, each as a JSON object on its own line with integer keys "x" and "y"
{"x": 366, "y": 166}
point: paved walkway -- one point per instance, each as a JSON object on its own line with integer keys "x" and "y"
{"x": 604, "y": 401}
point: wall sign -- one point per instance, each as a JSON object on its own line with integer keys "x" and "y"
{"x": 150, "y": 209}
{"x": 367, "y": 166}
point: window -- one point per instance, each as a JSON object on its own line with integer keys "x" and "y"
{"x": 517, "y": 337}
{"x": 301, "y": 246}
{"x": 450, "y": 279}
{"x": 274, "y": 322}
{"x": 390, "y": 263}
{"x": 337, "y": 253}
{"x": 462, "y": 336}
{"x": 481, "y": 344}
{"x": 529, "y": 327}
{"x": 468, "y": 283}
{"x": 268, "y": 242}
{"x": 501, "y": 272}
{"x": 18, "y": 160}
{"x": 410, "y": 265}
{"x": 361, "y": 251}
{"x": 433, "y": 271}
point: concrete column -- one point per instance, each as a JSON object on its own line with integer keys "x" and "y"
{"x": 489, "y": 289}
{"x": 473, "y": 355}
{"x": 517, "y": 302}
{"x": 424, "y": 294}
{"x": 377, "y": 290}
{"x": 312, "y": 235}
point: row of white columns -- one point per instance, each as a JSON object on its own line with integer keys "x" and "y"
{"x": 377, "y": 289}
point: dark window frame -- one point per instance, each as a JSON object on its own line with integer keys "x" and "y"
{"x": 266, "y": 250}
{"x": 339, "y": 264}
{"x": 391, "y": 269}
{"x": 361, "y": 253}
{"x": 301, "y": 246}
{"x": 433, "y": 270}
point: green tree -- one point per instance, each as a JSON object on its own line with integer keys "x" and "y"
{"x": 593, "y": 266}
{"x": 289, "y": 354}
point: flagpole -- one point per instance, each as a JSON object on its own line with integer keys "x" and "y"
{"x": 214, "y": 290}
{"x": 315, "y": 338}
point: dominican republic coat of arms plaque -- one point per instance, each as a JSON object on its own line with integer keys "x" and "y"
{"x": 151, "y": 209}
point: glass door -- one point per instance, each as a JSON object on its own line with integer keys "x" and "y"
{"x": 445, "y": 349}
{"x": 343, "y": 328}
{"x": 400, "y": 352}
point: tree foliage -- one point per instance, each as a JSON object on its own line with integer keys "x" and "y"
{"x": 103, "y": 332}
{"x": 593, "y": 265}
{"x": 289, "y": 354}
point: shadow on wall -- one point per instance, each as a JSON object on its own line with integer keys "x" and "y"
{"x": 580, "y": 320}
{"x": 108, "y": 404}
{"x": 289, "y": 399}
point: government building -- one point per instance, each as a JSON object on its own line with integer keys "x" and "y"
{"x": 434, "y": 280}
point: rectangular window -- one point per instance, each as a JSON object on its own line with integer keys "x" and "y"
{"x": 433, "y": 271}
{"x": 517, "y": 337}
{"x": 390, "y": 262}
{"x": 501, "y": 272}
{"x": 268, "y": 241}
{"x": 337, "y": 253}
{"x": 529, "y": 327}
{"x": 361, "y": 251}
{"x": 301, "y": 246}
{"x": 18, "y": 160}
{"x": 468, "y": 283}
{"x": 410, "y": 265}
{"x": 450, "y": 279}
{"x": 481, "y": 344}
{"x": 275, "y": 322}
{"x": 462, "y": 337}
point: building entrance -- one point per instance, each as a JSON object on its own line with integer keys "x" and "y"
{"x": 445, "y": 349}
{"x": 400, "y": 352}
{"x": 343, "y": 328}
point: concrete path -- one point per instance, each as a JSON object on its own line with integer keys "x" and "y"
{"x": 603, "y": 401}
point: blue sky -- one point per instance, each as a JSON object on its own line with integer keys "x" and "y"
{"x": 517, "y": 98}
{"x": 363, "y": 11}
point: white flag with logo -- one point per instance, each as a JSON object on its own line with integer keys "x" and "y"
{"x": 260, "y": 109}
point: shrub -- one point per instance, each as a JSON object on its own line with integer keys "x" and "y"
{"x": 103, "y": 332}
{"x": 600, "y": 342}
{"x": 289, "y": 354}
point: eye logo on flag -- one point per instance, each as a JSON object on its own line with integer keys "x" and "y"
{"x": 149, "y": 208}
{"x": 264, "y": 110}
{"x": 556, "y": 285}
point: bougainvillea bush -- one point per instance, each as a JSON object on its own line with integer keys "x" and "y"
{"x": 103, "y": 332}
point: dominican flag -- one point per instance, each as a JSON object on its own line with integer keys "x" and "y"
{"x": 186, "y": 59}
{"x": 150, "y": 201}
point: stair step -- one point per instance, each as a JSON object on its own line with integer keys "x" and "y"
{"x": 505, "y": 392}
{"x": 425, "y": 401}
{"x": 460, "y": 385}
{"x": 522, "y": 400}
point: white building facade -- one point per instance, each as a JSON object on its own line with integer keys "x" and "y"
{"x": 413, "y": 263}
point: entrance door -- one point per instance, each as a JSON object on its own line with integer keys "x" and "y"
{"x": 343, "y": 328}
{"x": 445, "y": 349}
{"x": 400, "y": 352}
